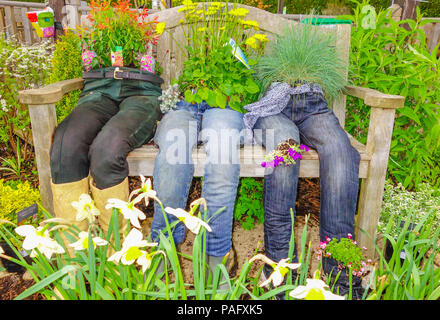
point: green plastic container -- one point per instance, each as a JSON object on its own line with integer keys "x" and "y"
{"x": 325, "y": 21}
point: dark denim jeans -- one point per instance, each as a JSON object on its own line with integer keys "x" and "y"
{"x": 308, "y": 120}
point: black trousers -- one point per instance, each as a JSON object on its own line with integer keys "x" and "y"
{"x": 97, "y": 136}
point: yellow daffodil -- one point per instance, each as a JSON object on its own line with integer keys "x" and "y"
{"x": 192, "y": 222}
{"x": 315, "y": 289}
{"x": 38, "y": 238}
{"x": 128, "y": 210}
{"x": 261, "y": 37}
{"x": 201, "y": 29}
{"x": 130, "y": 251}
{"x": 238, "y": 12}
{"x": 145, "y": 192}
{"x": 146, "y": 258}
{"x": 280, "y": 269}
{"x": 85, "y": 208}
{"x": 83, "y": 242}
{"x": 160, "y": 27}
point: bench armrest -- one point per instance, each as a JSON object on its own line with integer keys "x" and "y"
{"x": 51, "y": 93}
{"x": 374, "y": 98}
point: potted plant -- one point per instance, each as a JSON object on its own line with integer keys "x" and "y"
{"x": 221, "y": 48}
{"x": 348, "y": 255}
{"x": 118, "y": 36}
{"x": 302, "y": 55}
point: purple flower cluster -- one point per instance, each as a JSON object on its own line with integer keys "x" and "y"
{"x": 273, "y": 163}
{"x": 294, "y": 155}
{"x": 304, "y": 147}
{"x": 287, "y": 152}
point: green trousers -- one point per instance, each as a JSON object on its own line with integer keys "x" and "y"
{"x": 112, "y": 118}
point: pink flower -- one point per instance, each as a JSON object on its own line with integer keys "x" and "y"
{"x": 349, "y": 236}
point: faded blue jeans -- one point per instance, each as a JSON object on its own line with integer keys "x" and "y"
{"x": 178, "y": 133}
{"x": 308, "y": 120}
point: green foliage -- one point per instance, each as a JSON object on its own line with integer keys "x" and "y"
{"x": 15, "y": 196}
{"x": 21, "y": 67}
{"x": 225, "y": 80}
{"x": 393, "y": 60}
{"x": 302, "y": 53}
{"x": 66, "y": 64}
{"x": 430, "y": 8}
{"x": 398, "y": 203}
{"x": 417, "y": 277}
{"x": 249, "y": 204}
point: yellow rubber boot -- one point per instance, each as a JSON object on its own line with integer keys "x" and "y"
{"x": 101, "y": 196}
{"x": 63, "y": 195}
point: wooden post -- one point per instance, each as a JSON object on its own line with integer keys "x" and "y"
{"x": 44, "y": 121}
{"x": 57, "y": 7}
{"x": 11, "y": 24}
{"x": 27, "y": 27}
{"x": 2, "y": 22}
{"x": 409, "y": 11}
{"x": 280, "y": 6}
{"x": 372, "y": 189}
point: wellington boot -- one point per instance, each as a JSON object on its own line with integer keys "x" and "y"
{"x": 223, "y": 285}
{"x": 63, "y": 196}
{"x": 101, "y": 196}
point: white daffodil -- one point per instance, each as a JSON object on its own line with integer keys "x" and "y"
{"x": 83, "y": 241}
{"x": 145, "y": 192}
{"x": 192, "y": 222}
{"x": 85, "y": 208}
{"x": 128, "y": 210}
{"x": 146, "y": 258}
{"x": 130, "y": 248}
{"x": 280, "y": 269}
{"x": 315, "y": 289}
{"x": 38, "y": 238}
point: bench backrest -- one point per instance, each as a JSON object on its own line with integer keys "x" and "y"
{"x": 171, "y": 58}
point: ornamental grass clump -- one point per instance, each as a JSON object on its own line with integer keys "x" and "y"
{"x": 302, "y": 54}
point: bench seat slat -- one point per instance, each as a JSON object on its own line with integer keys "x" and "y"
{"x": 141, "y": 161}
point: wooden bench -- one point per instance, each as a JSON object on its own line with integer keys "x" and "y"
{"x": 374, "y": 155}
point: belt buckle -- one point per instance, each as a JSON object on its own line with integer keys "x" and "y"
{"x": 114, "y": 74}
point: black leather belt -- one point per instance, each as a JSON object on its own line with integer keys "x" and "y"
{"x": 120, "y": 74}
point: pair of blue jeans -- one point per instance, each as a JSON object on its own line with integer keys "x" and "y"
{"x": 178, "y": 133}
{"x": 308, "y": 120}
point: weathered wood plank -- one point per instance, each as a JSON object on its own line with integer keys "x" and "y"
{"x": 51, "y": 93}
{"x": 374, "y": 98}
{"x": 27, "y": 27}
{"x": 141, "y": 161}
{"x": 11, "y": 23}
{"x": 372, "y": 188}
{"x": 44, "y": 121}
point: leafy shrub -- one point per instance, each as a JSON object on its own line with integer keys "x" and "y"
{"x": 15, "y": 196}
{"x": 249, "y": 204}
{"x": 21, "y": 67}
{"x": 66, "y": 64}
{"x": 398, "y": 203}
{"x": 394, "y": 60}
